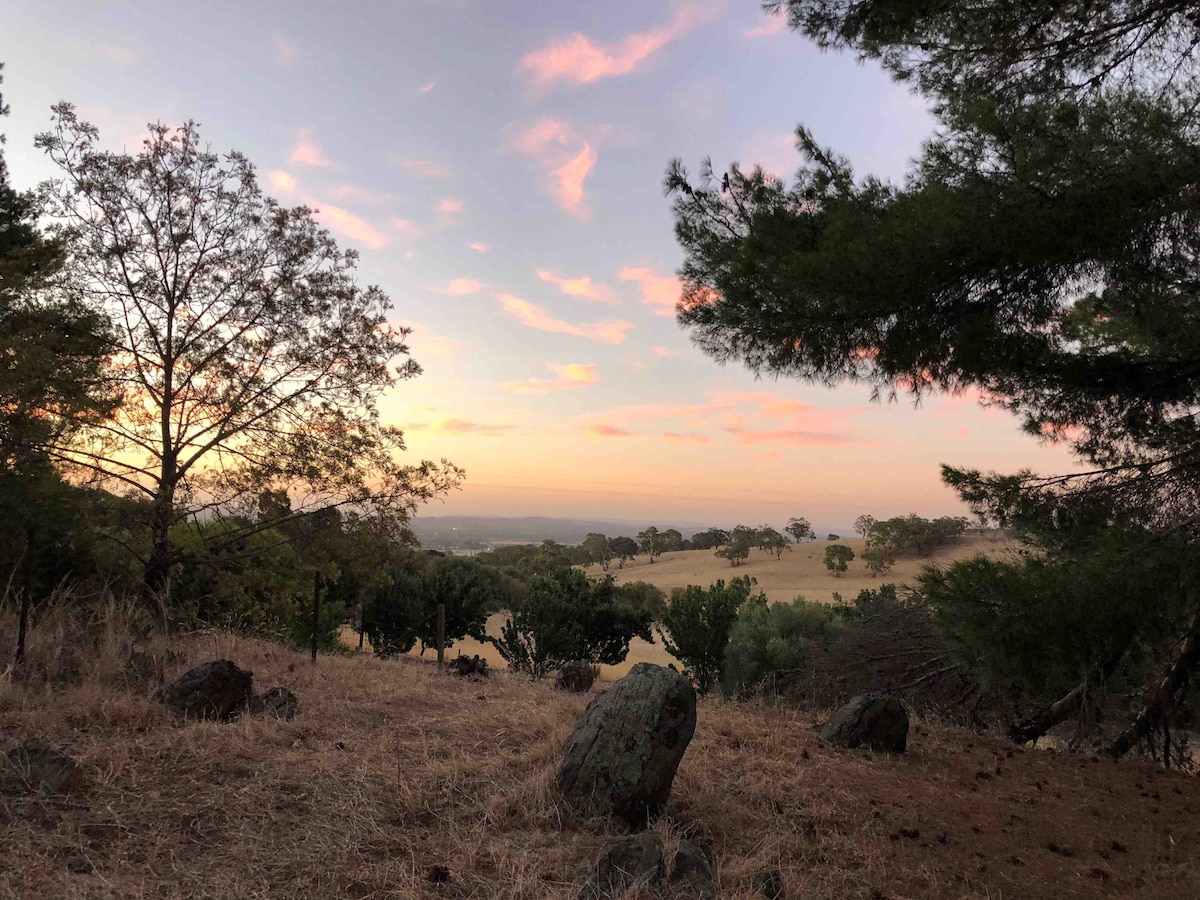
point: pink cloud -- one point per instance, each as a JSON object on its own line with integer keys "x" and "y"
{"x": 691, "y": 437}
{"x": 536, "y": 317}
{"x": 568, "y": 376}
{"x": 664, "y": 352}
{"x": 281, "y": 181}
{"x": 607, "y": 431}
{"x": 427, "y": 87}
{"x": 463, "y": 426}
{"x": 479, "y": 247}
{"x": 660, "y": 291}
{"x": 308, "y": 153}
{"x": 577, "y": 287}
{"x": 577, "y": 59}
{"x": 461, "y": 287}
{"x": 776, "y": 24}
{"x": 406, "y": 229}
{"x": 794, "y": 437}
{"x": 425, "y": 168}
{"x": 285, "y": 51}
{"x": 564, "y": 155}
{"x": 348, "y": 225}
{"x": 448, "y": 207}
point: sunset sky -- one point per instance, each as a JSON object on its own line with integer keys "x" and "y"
{"x": 499, "y": 165}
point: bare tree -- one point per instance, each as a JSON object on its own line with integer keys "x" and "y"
{"x": 248, "y": 356}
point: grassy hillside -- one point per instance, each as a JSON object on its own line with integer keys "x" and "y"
{"x": 392, "y": 769}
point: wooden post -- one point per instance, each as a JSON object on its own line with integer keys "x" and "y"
{"x": 316, "y": 613}
{"x": 441, "y": 635}
{"x": 26, "y": 593}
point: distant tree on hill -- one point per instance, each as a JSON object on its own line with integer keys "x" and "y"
{"x": 710, "y": 539}
{"x": 624, "y": 549}
{"x": 863, "y": 525}
{"x": 696, "y": 626}
{"x": 650, "y": 541}
{"x": 670, "y": 541}
{"x": 598, "y": 549}
{"x": 741, "y": 540}
{"x": 833, "y": 537}
{"x": 838, "y": 558}
{"x": 800, "y": 530}
{"x": 771, "y": 541}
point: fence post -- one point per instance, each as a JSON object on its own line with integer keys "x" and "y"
{"x": 26, "y": 593}
{"x": 441, "y": 634}
{"x": 316, "y": 613}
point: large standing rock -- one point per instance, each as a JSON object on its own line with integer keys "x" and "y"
{"x": 869, "y": 720}
{"x": 215, "y": 690}
{"x": 34, "y": 765}
{"x": 621, "y": 758}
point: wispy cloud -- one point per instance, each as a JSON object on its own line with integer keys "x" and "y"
{"x": 424, "y": 168}
{"x": 690, "y": 437}
{"x": 664, "y": 352}
{"x": 427, "y": 87}
{"x": 564, "y": 155}
{"x": 285, "y": 50}
{"x": 607, "y": 431}
{"x": 582, "y": 287}
{"x": 449, "y": 207}
{"x": 406, "y": 230}
{"x": 308, "y": 153}
{"x": 348, "y": 225}
{"x": 114, "y": 53}
{"x": 463, "y": 426}
{"x": 776, "y": 24}
{"x": 659, "y": 291}
{"x": 282, "y": 182}
{"x": 568, "y": 376}
{"x": 425, "y": 343}
{"x": 577, "y": 59}
{"x": 536, "y": 317}
{"x": 461, "y": 287}
{"x": 794, "y": 437}
{"x": 478, "y": 247}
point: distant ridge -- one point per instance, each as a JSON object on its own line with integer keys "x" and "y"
{"x": 433, "y": 530}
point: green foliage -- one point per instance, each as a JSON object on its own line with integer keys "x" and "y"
{"x": 650, "y": 542}
{"x": 710, "y": 539}
{"x": 863, "y": 525}
{"x": 912, "y": 534}
{"x": 624, "y": 549}
{"x": 771, "y": 541}
{"x": 643, "y": 597}
{"x": 696, "y": 626}
{"x": 838, "y": 558}
{"x": 800, "y": 530}
{"x": 566, "y": 617}
{"x": 598, "y": 549}
{"x": 769, "y": 640}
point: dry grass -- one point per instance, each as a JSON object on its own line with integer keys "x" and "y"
{"x": 392, "y": 768}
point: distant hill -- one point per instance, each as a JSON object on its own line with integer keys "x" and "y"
{"x": 468, "y": 531}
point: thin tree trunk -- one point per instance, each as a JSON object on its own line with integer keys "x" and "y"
{"x": 26, "y": 593}
{"x": 1165, "y": 695}
{"x": 316, "y": 613}
{"x": 1035, "y": 726}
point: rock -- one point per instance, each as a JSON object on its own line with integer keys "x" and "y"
{"x": 691, "y": 872}
{"x": 869, "y": 720}
{"x": 278, "y": 701}
{"x": 621, "y": 758}
{"x": 79, "y": 865}
{"x": 768, "y": 883}
{"x": 474, "y": 667}
{"x": 33, "y": 765}
{"x": 576, "y": 677}
{"x": 623, "y": 862}
{"x": 215, "y": 690}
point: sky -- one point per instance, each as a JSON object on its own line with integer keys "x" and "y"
{"x": 499, "y": 165}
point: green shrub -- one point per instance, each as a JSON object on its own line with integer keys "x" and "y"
{"x": 769, "y": 640}
{"x": 696, "y": 626}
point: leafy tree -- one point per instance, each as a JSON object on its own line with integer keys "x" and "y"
{"x": 566, "y": 617}
{"x": 598, "y": 549}
{"x": 772, "y": 541}
{"x": 769, "y": 640}
{"x": 624, "y": 549}
{"x": 641, "y": 595}
{"x": 250, "y": 356}
{"x": 800, "y": 530}
{"x": 863, "y": 525}
{"x": 741, "y": 540}
{"x": 650, "y": 542}
{"x": 710, "y": 539}
{"x": 696, "y": 626}
{"x": 878, "y": 559}
{"x": 914, "y": 534}
{"x": 1042, "y": 254}
{"x": 671, "y": 540}
{"x": 837, "y": 558}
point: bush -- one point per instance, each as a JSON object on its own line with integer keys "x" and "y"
{"x": 696, "y": 626}
{"x": 566, "y": 617}
{"x": 770, "y": 640}
{"x": 641, "y": 595}
{"x": 837, "y": 558}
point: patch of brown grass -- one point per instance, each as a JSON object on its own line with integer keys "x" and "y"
{"x": 393, "y": 768}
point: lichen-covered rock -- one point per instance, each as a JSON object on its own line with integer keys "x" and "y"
{"x": 215, "y": 690}
{"x": 34, "y": 765}
{"x": 622, "y": 756}
{"x": 624, "y": 862}
{"x": 278, "y": 702}
{"x": 575, "y": 677}
{"x": 869, "y": 720}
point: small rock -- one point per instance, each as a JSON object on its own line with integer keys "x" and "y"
{"x": 869, "y": 720}
{"x": 622, "y": 756}
{"x": 575, "y": 677}
{"x": 34, "y": 765}
{"x": 215, "y": 690}
{"x": 79, "y": 865}
{"x": 624, "y": 862}
{"x": 769, "y": 883}
{"x": 278, "y": 701}
{"x": 692, "y": 872}
{"x": 474, "y": 667}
